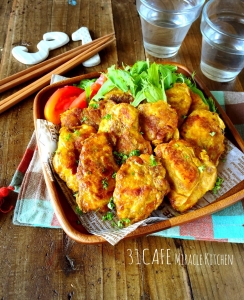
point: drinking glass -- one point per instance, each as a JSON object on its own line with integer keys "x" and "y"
{"x": 222, "y": 27}
{"x": 165, "y": 24}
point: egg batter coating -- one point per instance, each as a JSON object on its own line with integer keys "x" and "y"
{"x": 180, "y": 99}
{"x": 95, "y": 173}
{"x": 65, "y": 159}
{"x": 158, "y": 122}
{"x": 122, "y": 123}
{"x": 197, "y": 102}
{"x": 140, "y": 187}
{"x": 189, "y": 176}
{"x": 205, "y": 129}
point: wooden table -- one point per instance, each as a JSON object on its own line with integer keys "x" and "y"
{"x": 39, "y": 263}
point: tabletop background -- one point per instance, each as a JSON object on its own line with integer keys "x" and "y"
{"x": 41, "y": 263}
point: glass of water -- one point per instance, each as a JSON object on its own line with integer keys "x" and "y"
{"x": 165, "y": 24}
{"x": 222, "y": 28}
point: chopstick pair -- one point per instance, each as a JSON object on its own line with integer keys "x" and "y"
{"x": 59, "y": 65}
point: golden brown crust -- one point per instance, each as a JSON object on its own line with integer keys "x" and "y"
{"x": 91, "y": 115}
{"x": 65, "y": 159}
{"x": 140, "y": 188}
{"x": 190, "y": 176}
{"x": 197, "y": 102}
{"x": 122, "y": 122}
{"x": 95, "y": 173}
{"x": 180, "y": 99}
{"x": 205, "y": 130}
{"x": 158, "y": 122}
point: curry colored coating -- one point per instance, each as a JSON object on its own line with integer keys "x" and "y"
{"x": 122, "y": 128}
{"x": 65, "y": 159}
{"x": 90, "y": 115}
{"x": 122, "y": 123}
{"x": 158, "y": 122}
{"x": 95, "y": 173}
{"x": 140, "y": 188}
{"x": 197, "y": 102}
{"x": 190, "y": 176}
{"x": 179, "y": 98}
{"x": 205, "y": 129}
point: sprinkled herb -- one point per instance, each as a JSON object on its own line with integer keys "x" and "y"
{"x": 121, "y": 223}
{"x": 77, "y": 132}
{"x": 212, "y": 133}
{"x": 153, "y": 161}
{"x": 111, "y": 204}
{"x": 84, "y": 119}
{"x": 114, "y": 175}
{"x": 109, "y": 216}
{"x": 218, "y": 184}
{"x": 135, "y": 153}
{"x": 121, "y": 157}
{"x": 68, "y": 136}
{"x": 94, "y": 105}
{"x": 201, "y": 168}
{"x": 105, "y": 183}
{"x": 78, "y": 211}
{"x": 107, "y": 117}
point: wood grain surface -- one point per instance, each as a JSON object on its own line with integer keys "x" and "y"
{"x": 39, "y": 263}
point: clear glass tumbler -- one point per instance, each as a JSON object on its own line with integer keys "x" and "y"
{"x": 165, "y": 24}
{"x": 222, "y": 28}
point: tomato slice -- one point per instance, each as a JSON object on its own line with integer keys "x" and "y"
{"x": 81, "y": 100}
{"x": 59, "y": 102}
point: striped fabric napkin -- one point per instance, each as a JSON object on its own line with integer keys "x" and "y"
{"x": 33, "y": 207}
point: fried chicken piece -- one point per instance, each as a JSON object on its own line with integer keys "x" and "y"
{"x": 180, "y": 99}
{"x": 197, "y": 102}
{"x": 71, "y": 118}
{"x": 67, "y": 154}
{"x": 205, "y": 129}
{"x": 95, "y": 173}
{"x": 119, "y": 96}
{"x": 122, "y": 123}
{"x": 140, "y": 187}
{"x": 158, "y": 122}
{"x": 189, "y": 176}
{"x": 91, "y": 115}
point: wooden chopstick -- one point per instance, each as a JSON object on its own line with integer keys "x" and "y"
{"x": 43, "y": 81}
{"x": 47, "y": 65}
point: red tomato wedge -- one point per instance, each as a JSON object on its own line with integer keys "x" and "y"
{"x": 60, "y": 101}
{"x": 81, "y": 99}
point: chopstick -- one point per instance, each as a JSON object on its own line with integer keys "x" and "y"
{"x": 45, "y": 66}
{"x": 43, "y": 81}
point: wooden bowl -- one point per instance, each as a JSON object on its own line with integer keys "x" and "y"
{"x": 67, "y": 217}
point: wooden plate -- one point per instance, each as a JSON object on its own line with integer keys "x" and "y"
{"x": 67, "y": 217}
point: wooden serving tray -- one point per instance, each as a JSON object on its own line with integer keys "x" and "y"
{"x": 67, "y": 217}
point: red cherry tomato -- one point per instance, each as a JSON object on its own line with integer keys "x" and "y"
{"x": 59, "y": 102}
{"x": 81, "y": 99}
